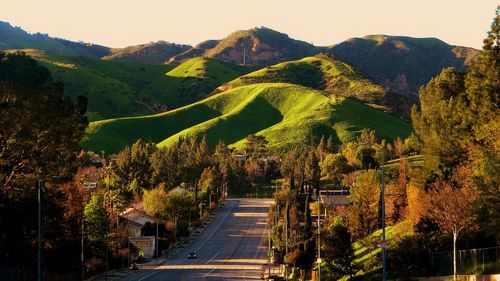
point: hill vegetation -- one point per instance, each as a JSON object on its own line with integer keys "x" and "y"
{"x": 111, "y": 87}
{"x": 154, "y": 52}
{"x": 400, "y": 63}
{"x": 285, "y": 114}
{"x": 16, "y": 38}
{"x": 189, "y": 82}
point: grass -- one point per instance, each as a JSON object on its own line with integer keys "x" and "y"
{"x": 318, "y": 72}
{"x": 285, "y": 114}
{"x": 191, "y": 81}
{"x": 111, "y": 87}
{"x": 365, "y": 251}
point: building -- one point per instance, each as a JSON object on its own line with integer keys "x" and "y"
{"x": 136, "y": 219}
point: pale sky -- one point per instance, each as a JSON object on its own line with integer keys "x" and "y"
{"x": 119, "y": 23}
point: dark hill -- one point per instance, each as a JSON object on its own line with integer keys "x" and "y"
{"x": 399, "y": 63}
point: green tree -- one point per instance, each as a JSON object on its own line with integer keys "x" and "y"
{"x": 337, "y": 249}
{"x": 96, "y": 226}
{"x": 154, "y": 201}
{"x": 334, "y": 167}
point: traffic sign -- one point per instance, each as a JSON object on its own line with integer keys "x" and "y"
{"x": 141, "y": 254}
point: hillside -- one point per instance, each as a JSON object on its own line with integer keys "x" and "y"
{"x": 154, "y": 52}
{"x": 257, "y": 46}
{"x": 111, "y": 87}
{"x": 16, "y": 38}
{"x": 286, "y": 114}
{"x": 402, "y": 64}
{"x": 193, "y": 52}
{"x": 323, "y": 72}
{"x": 189, "y": 82}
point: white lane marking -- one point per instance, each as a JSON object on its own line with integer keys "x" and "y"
{"x": 216, "y": 228}
{"x": 212, "y": 270}
{"x": 212, "y": 258}
{"x": 148, "y": 275}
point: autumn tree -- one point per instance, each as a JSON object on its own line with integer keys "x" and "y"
{"x": 452, "y": 210}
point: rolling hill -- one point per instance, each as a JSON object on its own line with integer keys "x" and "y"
{"x": 16, "y": 38}
{"x": 154, "y": 52}
{"x": 111, "y": 87}
{"x": 286, "y": 114}
{"x": 191, "y": 81}
{"x": 402, "y": 64}
{"x": 323, "y": 72}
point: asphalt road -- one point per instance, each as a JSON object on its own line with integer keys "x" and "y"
{"x": 230, "y": 248}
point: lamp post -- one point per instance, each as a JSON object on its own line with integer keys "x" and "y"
{"x": 319, "y": 240}
{"x": 384, "y": 244}
{"x": 39, "y": 238}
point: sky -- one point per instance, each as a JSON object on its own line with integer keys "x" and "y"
{"x": 120, "y": 23}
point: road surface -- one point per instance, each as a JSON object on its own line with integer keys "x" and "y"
{"x": 232, "y": 247}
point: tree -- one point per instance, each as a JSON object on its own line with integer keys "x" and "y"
{"x": 255, "y": 146}
{"x": 312, "y": 171}
{"x": 439, "y": 123}
{"x": 330, "y": 148}
{"x": 334, "y": 167}
{"x": 96, "y": 225}
{"x": 452, "y": 210}
{"x": 364, "y": 198}
{"x": 154, "y": 201}
{"x": 40, "y": 131}
{"x": 337, "y": 248}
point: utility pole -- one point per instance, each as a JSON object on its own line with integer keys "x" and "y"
{"x": 286, "y": 237}
{"x": 384, "y": 244}
{"x": 157, "y": 245}
{"x": 108, "y": 227}
{"x": 81, "y": 256}
{"x": 319, "y": 240}
{"x": 39, "y": 238}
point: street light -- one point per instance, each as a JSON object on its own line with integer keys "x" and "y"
{"x": 384, "y": 244}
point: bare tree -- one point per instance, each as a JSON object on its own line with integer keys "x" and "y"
{"x": 452, "y": 209}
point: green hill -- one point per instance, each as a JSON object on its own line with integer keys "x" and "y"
{"x": 286, "y": 114}
{"x": 16, "y": 38}
{"x": 189, "y": 82}
{"x": 400, "y": 63}
{"x": 111, "y": 87}
{"x": 323, "y": 72}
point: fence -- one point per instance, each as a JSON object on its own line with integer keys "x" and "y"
{"x": 472, "y": 261}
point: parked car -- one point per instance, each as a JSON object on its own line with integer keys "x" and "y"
{"x": 192, "y": 255}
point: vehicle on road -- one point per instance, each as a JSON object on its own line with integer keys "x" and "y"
{"x": 192, "y": 255}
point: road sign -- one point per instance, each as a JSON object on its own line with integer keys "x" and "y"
{"x": 141, "y": 254}
{"x": 270, "y": 253}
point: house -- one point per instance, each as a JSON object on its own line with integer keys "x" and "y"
{"x": 135, "y": 220}
{"x": 334, "y": 196}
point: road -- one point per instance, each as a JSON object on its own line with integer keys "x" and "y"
{"x": 230, "y": 248}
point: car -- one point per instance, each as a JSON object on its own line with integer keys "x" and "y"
{"x": 192, "y": 255}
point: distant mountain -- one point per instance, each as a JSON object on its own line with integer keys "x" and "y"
{"x": 153, "y": 53}
{"x": 16, "y": 38}
{"x": 196, "y": 51}
{"x": 402, "y": 64}
{"x": 258, "y": 46}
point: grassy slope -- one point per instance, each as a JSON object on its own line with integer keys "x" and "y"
{"x": 110, "y": 86}
{"x": 191, "y": 81}
{"x": 286, "y": 114}
{"x": 319, "y": 72}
